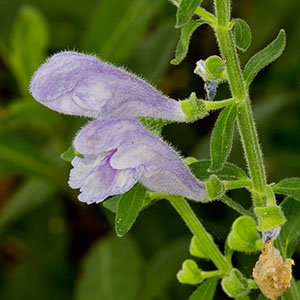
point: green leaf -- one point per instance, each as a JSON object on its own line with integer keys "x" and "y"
{"x": 244, "y": 236}
{"x": 289, "y": 187}
{"x": 27, "y": 197}
{"x": 185, "y": 37}
{"x": 17, "y": 155}
{"x": 290, "y": 231}
{"x": 206, "y": 290}
{"x": 229, "y": 171}
{"x": 242, "y": 34}
{"x": 116, "y": 26}
{"x": 222, "y": 137}
{"x": 129, "y": 207}
{"x": 112, "y": 203}
{"x": 264, "y": 57}
{"x": 70, "y": 154}
{"x": 29, "y": 41}
{"x": 186, "y": 10}
{"x": 111, "y": 270}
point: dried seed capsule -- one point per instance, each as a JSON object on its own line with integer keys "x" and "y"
{"x": 271, "y": 273}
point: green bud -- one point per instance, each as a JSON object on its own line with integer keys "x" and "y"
{"x": 214, "y": 187}
{"x": 244, "y": 236}
{"x": 269, "y": 217}
{"x": 70, "y": 154}
{"x": 214, "y": 68}
{"x": 235, "y": 284}
{"x": 190, "y": 273}
{"x": 193, "y": 108}
{"x": 190, "y": 160}
{"x": 197, "y": 248}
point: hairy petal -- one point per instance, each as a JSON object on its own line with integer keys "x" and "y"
{"x": 79, "y": 84}
{"x": 118, "y": 153}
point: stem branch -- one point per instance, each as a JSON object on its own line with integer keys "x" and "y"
{"x": 189, "y": 217}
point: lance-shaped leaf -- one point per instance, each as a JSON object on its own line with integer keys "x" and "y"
{"x": 206, "y": 290}
{"x": 290, "y": 231}
{"x": 129, "y": 207}
{"x": 264, "y": 57}
{"x": 228, "y": 172}
{"x": 185, "y": 37}
{"x": 186, "y": 10}
{"x": 242, "y": 34}
{"x": 221, "y": 139}
{"x": 289, "y": 187}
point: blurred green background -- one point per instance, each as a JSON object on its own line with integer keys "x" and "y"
{"x": 54, "y": 247}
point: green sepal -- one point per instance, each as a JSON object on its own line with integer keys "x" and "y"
{"x": 235, "y": 284}
{"x": 242, "y": 34}
{"x": 185, "y": 11}
{"x": 269, "y": 217}
{"x": 70, "y": 154}
{"x": 154, "y": 125}
{"x": 289, "y": 187}
{"x": 214, "y": 68}
{"x": 222, "y": 138}
{"x": 197, "y": 248}
{"x": 185, "y": 37}
{"x": 264, "y": 57}
{"x": 189, "y": 273}
{"x": 193, "y": 108}
{"x": 214, "y": 188}
{"x": 244, "y": 236}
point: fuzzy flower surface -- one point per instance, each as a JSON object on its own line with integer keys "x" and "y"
{"x": 79, "y": 84}
{"x": 119, "y": 153}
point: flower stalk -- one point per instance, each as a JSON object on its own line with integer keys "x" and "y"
{"x": 191, "y": 220}
{"x": 244, "y": 117}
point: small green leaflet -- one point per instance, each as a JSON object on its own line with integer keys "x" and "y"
{"x": 264, "y": 57}
{"x": 229, "y": 171}
{"x": 290, "y": 231}
{"x": 222, "y": 137}
{"x": 185, "y": 37}
{"x": 129, "y": 207}
{"x": 70, "y": 154}
{"x": 289, "y": 187}
{"x": 186, "y": 10}
{"x": 206, "y": 290}
{"x": 242, "y": 34}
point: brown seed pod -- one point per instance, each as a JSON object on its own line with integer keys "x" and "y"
{"x": 271, "y": 273}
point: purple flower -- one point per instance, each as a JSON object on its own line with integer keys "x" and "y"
{"x": 119, "y": 153}
{"x": 79, "y": 84}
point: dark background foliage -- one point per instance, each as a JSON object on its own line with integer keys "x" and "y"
{"x": 54, "y": 247}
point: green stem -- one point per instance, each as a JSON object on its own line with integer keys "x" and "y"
{"x": 218, "y": 104}
{"x": 245, "y": 118}
{"x": 189, "y": 217}
{"x": 236, "y": 184}
{"x": 234, "y": 205}
{"x": 209, "y": 274}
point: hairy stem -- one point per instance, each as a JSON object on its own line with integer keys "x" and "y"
{"x": 189, "y": 217}
{"x": 239, "y": 91}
